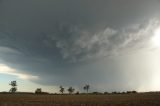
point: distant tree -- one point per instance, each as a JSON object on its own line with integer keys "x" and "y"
{"x": 86, "y": 87}
{"x": 106, "y": 93}
{"x": 13, "y": 86}
{"x": 114, "y": 92}
{"x": 71, "y": 90}
{"x": 61, "y": 89}
{"x": 96, "y": 93}
{"x": 134, "y": 91}
{"x": 77, "y": 93}
{"x": 123, "y": 92}
{"x": 129, "y": 92}
{"x": 38, "y": 91}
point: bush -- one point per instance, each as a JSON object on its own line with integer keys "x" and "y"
{"x": 129, "y": 92}
{"x": 96, "y": 93}
{"x": 77, "y": 93}
{"x": 114, "y": 92}
{"x": 134, "y": 91}
{"x": 38, "y": 91}
{"x": 106, "y": 93}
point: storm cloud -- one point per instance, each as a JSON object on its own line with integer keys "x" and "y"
{"x": 75, "y": 42}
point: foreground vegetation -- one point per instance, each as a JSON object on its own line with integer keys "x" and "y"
{"x": 138, "y": 99}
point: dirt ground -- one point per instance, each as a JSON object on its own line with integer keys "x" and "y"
{"x": 141, "y": 99}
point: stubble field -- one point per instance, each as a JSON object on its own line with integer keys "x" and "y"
{"x": 143, "y": 99}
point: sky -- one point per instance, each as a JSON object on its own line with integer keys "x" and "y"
{"x": 112, "y": 45}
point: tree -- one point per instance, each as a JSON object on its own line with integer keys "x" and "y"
{"x": 71, "y": 90}
{"x": 86, "y": 87}
{"x": 61, "y": 89}
{"x": 38, "y": 91}
{"x": 14, "y": 86}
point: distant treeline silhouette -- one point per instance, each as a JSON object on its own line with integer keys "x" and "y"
{"x": 70, "y": 90}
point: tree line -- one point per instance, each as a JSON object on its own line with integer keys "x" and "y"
{"x": 70, "y": 90}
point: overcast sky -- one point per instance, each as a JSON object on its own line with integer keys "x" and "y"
{"x": 105, "y": 43}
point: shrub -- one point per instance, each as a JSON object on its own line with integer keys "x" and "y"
{"x": 106, "y": 93}
{"x": 38, "y": 91}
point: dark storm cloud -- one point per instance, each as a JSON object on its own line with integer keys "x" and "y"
{"x": 59, "y": 40}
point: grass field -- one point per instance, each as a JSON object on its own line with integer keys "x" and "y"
{"x": 142, "y": 99}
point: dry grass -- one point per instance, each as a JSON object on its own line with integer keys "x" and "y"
{"x": 147, "y": 99}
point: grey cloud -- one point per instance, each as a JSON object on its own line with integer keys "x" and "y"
{"x": 29, "y": 15}
{"x": 75, "y": 45}
{"x": 62, "y": 41}
{"x": 79, "y": 44}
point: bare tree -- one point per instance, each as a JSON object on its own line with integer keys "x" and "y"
{"x": 86, "y": 87}
{"x": 61, "y": 89}
{"x": 14, "y": 86}
{"x": 71, "y": 90}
